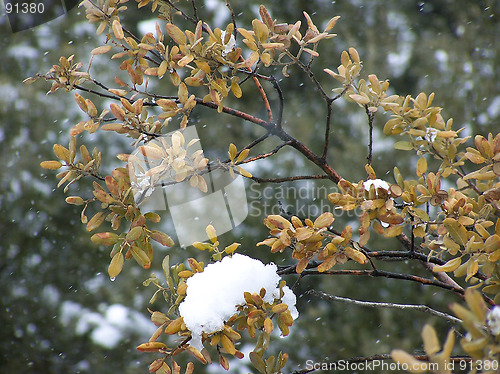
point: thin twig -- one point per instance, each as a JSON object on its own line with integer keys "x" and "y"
{"x": 288, "y": 179}
{"x": 249, "y": 146}
{"x": 265, "y": 155}
{"x": 186, "y": 16}
{"x": 372, "y": 304}
{"x": 102, "y": 94}
{"x": 310, "y": 74}
{"x": 281, "y": 101}
{"x": 370, "y": 115}
{"x": 264, "y": 98}
{"x": 195, "y": 10}
{"x": 320, "y": 162}
{"x": 233, "y": 18}
{"x": 255, "y": 142}
{"x": 327, "y": 128}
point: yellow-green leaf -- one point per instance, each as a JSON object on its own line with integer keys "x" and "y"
{"x": 102, "y": 49}
{"x": 141, "y": 257}
{"x": 96, "y": 221}
{"x": 243, "y": 172}
{"x": 236, "y": 89}
{"x": 279, "y": 308}
{"x": 258, "y": 362}
{"x": 472, "y": 268}
{"x": 211, "y": 233}
{"x": 74, "y": 200}
{"x": 151, "y": 347}
{"x": 403, "y": 146}
{"x": 393, "y": 231}
{"x": 431, "y": 342}
{"x": 134, "y": 234}
{"x": 492, "y": 243}
{"x": 51, "y": 165}
{"x": 105, "y": 238}
{"x": 421, "y": 166}
{"x": 243, "y": 154}
{"x": 324, "y": 220}
{"x": 451, "y": 265}
{"x": 231, "y": 248}
{"x": 117, "y": 29}
{"x": 402, "y": 357}
{"x": 174, "y": 326}
{"x": 176, "y": 34}
{"x": 61, "y": 152}
{"x": 162, "y": 238}
{"x": 495, "y": 256}
{"x": 227, "y": 344}
{"x": 116, "y": 265}
{"x": 457, "y": 231}
{"x": 360, "y": 99}
{"x": 232, "y": 151}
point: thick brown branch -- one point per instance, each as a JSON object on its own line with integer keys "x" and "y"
{"x": 272, "y": 128}
{"x": 370, "y": 115}
{"x": 319, "y": 161}
{"x": 381, "y": 273}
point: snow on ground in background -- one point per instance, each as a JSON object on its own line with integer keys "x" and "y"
{"x": 108, "y": 328}
{"x": 213, "y": 296}
{"x": 149, "y": 26}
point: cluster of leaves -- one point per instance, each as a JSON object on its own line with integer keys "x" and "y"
{"x": 306, "y": 239}
{"x": 166, "y": 160}
{"x": 480, "y": 341}
{"x": 376, "y": 204}
{"x": 463, "y": 220}
{"x": 236, "y": 158}
{"x": 255, "y": 315}
{"x": 174, "y": 293}
{"x": 89, "y": 164}
{"x": 116, "y": 203}
{"x": 213, "y": 245}
{"x": 65, "y": 75}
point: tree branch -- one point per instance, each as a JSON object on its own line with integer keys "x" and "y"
{"x": 264, "y": 155}
{"x": 378, "y": 273}
{"x": 181, "y": 12}
{"x": 281, "y": 101}
{"x": 288, "y": 179}
{"x": 371, "y": 304}
{"x": 370, "y": 115}
{"x": 329, "y": 104}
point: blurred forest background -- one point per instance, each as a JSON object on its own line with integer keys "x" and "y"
{"x": 60, "y": 313}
